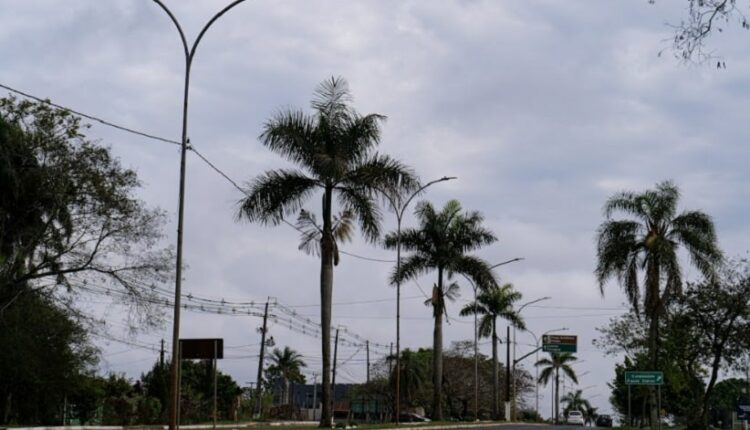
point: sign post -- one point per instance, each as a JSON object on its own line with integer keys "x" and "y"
{"x": 652, "y": 377}
{"x": 203, "y": 349}
{"x": 559, "y": 343}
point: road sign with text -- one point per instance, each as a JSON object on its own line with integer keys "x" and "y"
{"x": 655, "y": 377}
{"x": 559, "y": 343}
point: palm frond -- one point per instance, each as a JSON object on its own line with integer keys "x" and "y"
{"x": 310, "y": 231}
{"x": 332, "y": 97}
{"x": 291, "y": 134}
{"x": 696, "y": 232}
{"x": 383, "y": 174}
{"x": 275, "y": 194}
{"x": 616, "y": 242}
{"x": 364, "y": 208}
{"x": 412, "y": 267}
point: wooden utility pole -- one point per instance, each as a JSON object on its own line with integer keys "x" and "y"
{"x": 367, "y": 346}
{"x": 507, "y": 376}
{"x": 333, "y": 380}
{"x": 259, "y": 383}
{"x": 161, "y": 354}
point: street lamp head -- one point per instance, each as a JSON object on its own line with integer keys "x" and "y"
{"x": 448, "y": 178}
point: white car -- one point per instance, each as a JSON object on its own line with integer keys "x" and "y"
{"x": 575, "y": 418}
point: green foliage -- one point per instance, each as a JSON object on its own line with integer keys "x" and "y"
{"x": 46, "y": 356}
{"x": 287, "y": 364}
{"x": 724, "y": 399}
{"x": 442, "y": 243}
{"x": 68, "y": 214}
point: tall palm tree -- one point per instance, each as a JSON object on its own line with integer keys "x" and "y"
{"x": 288, "y": 365}
{"x": 647, "y": 241}
{"x": 492, "y": 303}
{"x": 334, "y": 150}
{"x": 443, "y": 242}
{"x": 551, "y": 367}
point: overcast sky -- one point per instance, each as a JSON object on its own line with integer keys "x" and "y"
{"x": 542, "y": 109}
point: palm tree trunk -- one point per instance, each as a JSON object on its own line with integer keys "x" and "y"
{"x": 557, "y": 396}
{"x": 495, "y": 382}
{"x": 653, "y": 309}
{"x": 437, "y": 352}
{"x": 326, "y": 293}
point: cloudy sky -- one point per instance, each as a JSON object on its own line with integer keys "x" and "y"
{"x": 542, "y": 109}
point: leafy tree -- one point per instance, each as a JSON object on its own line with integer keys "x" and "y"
{"x": 287, "y": 364}
{"x": 415, "y": 373}
{"x": 334, "y": 149}
{"x": 648, "y": 242}
{"x": 196, "y": 405}
{"x": 717, "y": 314}
{"x": 492, "y": 303}
{"x": 724, "y": 399}
{"x": 443, "y": 242}
{"x": 46, "y": 356}
{"x": 68, "y": 214}
{"x": 551, "y": 367}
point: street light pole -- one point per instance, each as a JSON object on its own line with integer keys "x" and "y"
{"x": 189, "y": 54}
{"x": 536, "y": 378}
{"x": 513, "y": 373}
{"x": 399, "y": 208}
{"x": 476, "y": 341}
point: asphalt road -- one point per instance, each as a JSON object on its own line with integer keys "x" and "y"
{"x": 524, "y": 427}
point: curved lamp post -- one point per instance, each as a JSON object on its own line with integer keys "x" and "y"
{"x": 536, "y": 378}
{"x": 513, "y": 373}
{"x": 399, "y": 205}
{"x": 189, "y": 53}
{"x": 476, "y": 338}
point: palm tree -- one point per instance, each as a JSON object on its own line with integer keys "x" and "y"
{"x": 334, "y": 149}
{"x": 288, "y": 365}
{"x": 552, "y": 366}
{"x": 442, "y": 242}
{"x": 648, "y": 241}
{"x": 574, "y": 401}
{"x": 492, "y": 303}
{"x": 590, "y": 414}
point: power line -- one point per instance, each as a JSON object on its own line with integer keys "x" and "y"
{"x": 170, "y": 141}
{"x": 91, "y": 117}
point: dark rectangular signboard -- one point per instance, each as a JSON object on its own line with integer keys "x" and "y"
{"x": 201, "y": 349}
{"x": 559, "y": 343}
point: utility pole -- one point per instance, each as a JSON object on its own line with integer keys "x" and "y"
{"x": 507, "y": 376}
{"x": 161, "y": 354}
{"x": 333, "y": 380}
{"x": 367, "y": 345}
{"x": 315, "y": 395}
{"x": 258, "y": 384}
{"x": 390, "y": 362}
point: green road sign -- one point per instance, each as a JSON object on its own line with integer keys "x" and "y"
{"x": 655, "y": 377}
{"x": 559, "y": 343}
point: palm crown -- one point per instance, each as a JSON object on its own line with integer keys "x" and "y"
{"x": 492, "y": 303}
{"x": 649, "y": 241}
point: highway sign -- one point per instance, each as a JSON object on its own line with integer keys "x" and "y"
{"x": 743, "y": 411}
{"x": 559, "y": 343}
{"x": 655, "y": 377}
